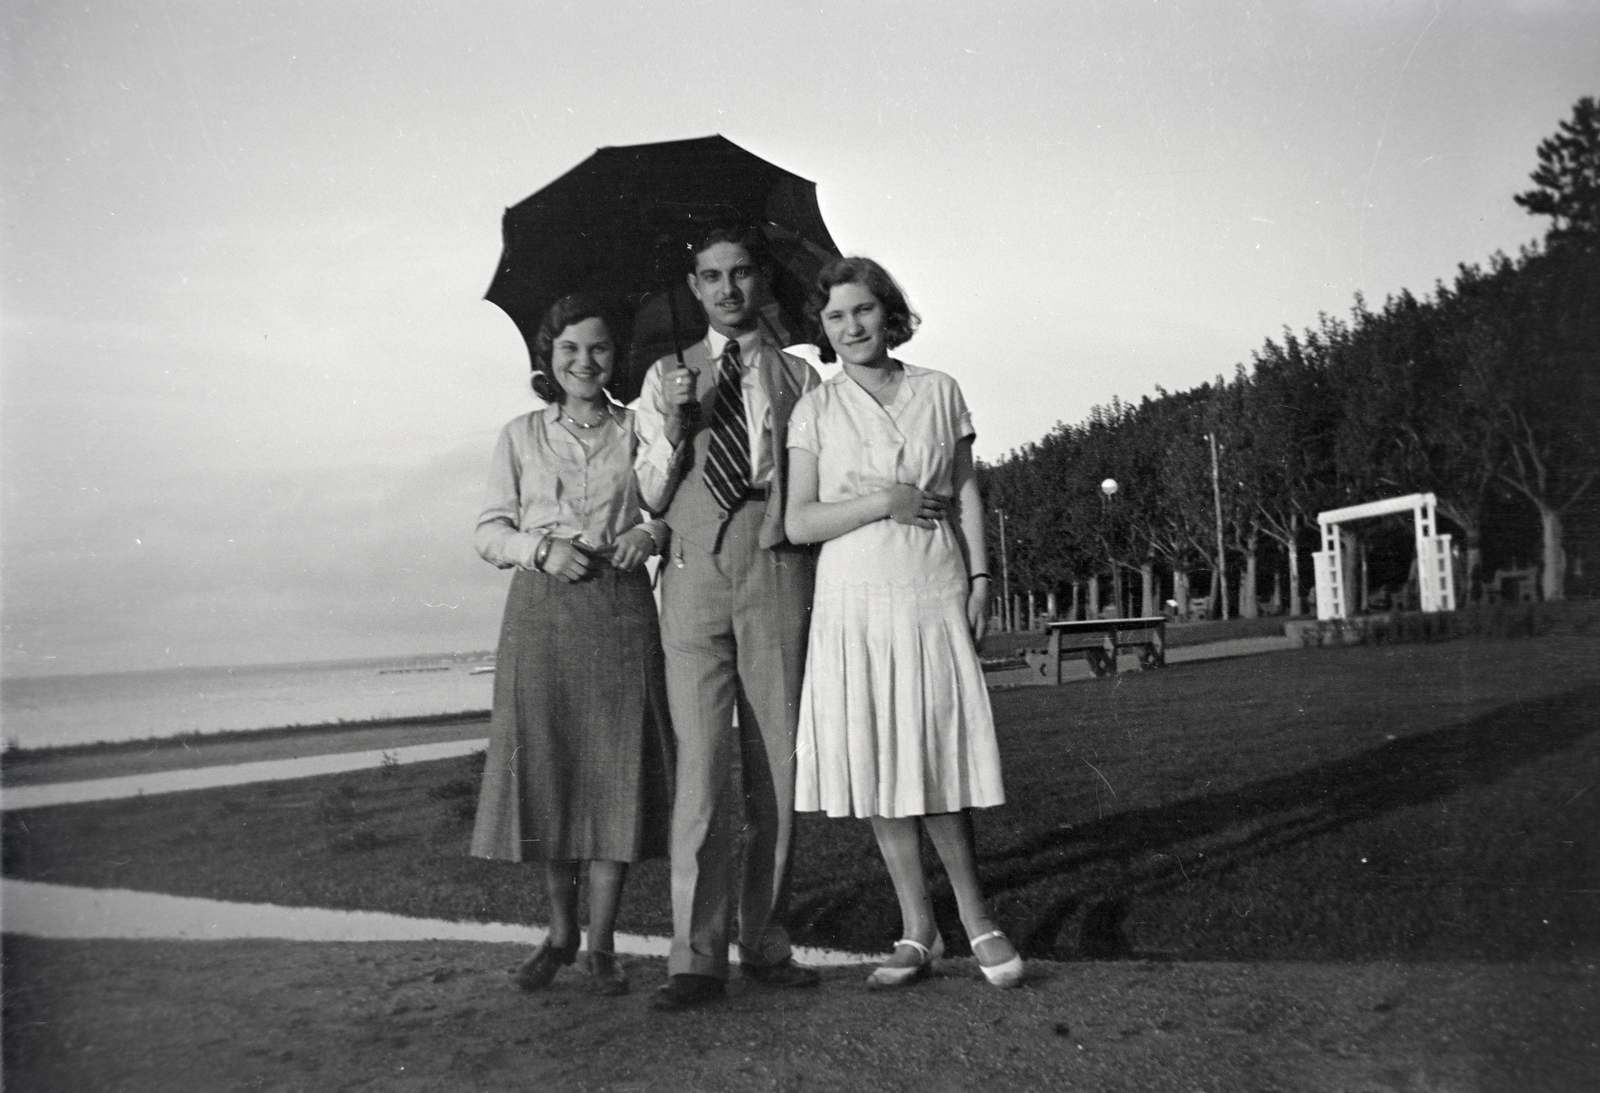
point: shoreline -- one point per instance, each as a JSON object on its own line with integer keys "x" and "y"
{"x": 485, "y": 656}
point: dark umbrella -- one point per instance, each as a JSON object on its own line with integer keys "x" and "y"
{"x": 620, "y": 223}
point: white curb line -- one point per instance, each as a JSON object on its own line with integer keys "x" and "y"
{"x": 60, "y": 911}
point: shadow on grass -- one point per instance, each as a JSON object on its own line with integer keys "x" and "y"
{"x": 1147, "y": 852}
{"x": 1287, "y": 839}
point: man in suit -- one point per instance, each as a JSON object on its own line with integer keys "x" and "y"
{"x": 735, "y": 611}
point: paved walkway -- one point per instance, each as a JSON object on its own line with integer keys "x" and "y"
{"x": 232, "y": 774}
{"x": 59, "y": 911}
{"x": 228, "y": 749}
{"x": 1076, "y": 669}
{"x": 1233, "y": 647}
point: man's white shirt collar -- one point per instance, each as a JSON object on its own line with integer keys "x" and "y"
{"x": 749, "y": 345}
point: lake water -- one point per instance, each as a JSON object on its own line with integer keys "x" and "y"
{"x": 42, "y": 711}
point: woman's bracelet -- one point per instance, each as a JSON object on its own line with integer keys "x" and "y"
{"x": 976, "y": 576}
{"x": 653, "y": 537}
{"x": 541, "y": 553}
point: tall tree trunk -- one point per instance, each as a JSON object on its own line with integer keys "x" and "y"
{"x": 1472, "y": 588}
{"x": 1094, "y": 596}
{"x": 1075, "y": 612}
{"x": 1032, "y": 614}
{"x": 1249, "y": 602}
{"x": 1050, "y": 604}
{"x": 1147, "y": 589}
{"x": 1553, "y": 577}
{"x": 1295, "y": 606}
{"x": 1469, "y": 518}
{"x": 1116, "y": 589}
{"x": 1219, "y": 601}
{"x": 1350, "y": 577}
{"x": 1180, "y": 590}
{"x": 1366, "y": 590}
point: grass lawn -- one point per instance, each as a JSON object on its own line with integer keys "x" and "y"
{"x": 1428, "y": 801}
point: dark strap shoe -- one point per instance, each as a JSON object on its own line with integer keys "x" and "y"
{"x": 785, "y": 973}
{"x": 684, "y": 991}
{"x": 536, "y": 972}
{"x": 605, "y": 974}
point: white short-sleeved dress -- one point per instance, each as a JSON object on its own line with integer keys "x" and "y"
{"x": 894, "y": 717}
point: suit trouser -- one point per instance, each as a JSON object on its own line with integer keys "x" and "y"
{"x": 733, "y": 626}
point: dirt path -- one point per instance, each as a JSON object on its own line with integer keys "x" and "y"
{"x": 120, "y": 760}
{"x": 161, "y": 1016}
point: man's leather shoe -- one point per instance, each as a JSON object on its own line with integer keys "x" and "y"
{"x": 680, "y": 992}
{"x": 785, "y": 973}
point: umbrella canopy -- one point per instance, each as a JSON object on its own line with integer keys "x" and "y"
{"x": 621, "y": 222}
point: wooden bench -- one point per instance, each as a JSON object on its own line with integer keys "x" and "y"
{"x": 1099, "y": 640}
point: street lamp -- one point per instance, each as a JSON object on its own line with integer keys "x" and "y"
{"x": 1222, "y": 557}
{"x": 1108, "y": 490}
{"x": 1005, "y": 577}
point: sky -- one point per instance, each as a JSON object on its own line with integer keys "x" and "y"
{"x": 250, "y": 384}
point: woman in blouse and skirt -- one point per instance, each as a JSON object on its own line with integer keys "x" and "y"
{"x": 895, "y": 722}
{"x": 580, "y": 745}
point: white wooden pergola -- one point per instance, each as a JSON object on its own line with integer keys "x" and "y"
{"x": 1435, "y": 578}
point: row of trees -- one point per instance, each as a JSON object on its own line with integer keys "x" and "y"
{"x": 1485, "y": 393}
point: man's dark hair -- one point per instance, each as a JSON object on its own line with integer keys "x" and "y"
{"x": 748, "y": 236}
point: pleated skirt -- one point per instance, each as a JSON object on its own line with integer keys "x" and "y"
{"x": 580, "y": 761}
{"x": 894, "y": 715}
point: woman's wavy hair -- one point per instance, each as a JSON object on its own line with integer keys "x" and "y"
{"x": 900, "y": 322}
{"x": 562, "y": 314}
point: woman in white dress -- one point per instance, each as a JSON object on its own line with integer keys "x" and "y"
{"x": 895, "y": 722}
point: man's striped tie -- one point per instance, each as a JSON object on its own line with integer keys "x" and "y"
{"x": 728, "y": 456}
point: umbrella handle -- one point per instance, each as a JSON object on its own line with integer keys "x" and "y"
{"x": 672, "y": 308}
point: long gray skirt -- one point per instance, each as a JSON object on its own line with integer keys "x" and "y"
{"x": 580, "y": 743}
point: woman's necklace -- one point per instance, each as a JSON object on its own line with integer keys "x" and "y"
{"x": 605, "y": 416}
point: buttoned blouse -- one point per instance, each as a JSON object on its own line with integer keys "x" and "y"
{"x": 864, "y": 447}
{"x": 542, "y": 479}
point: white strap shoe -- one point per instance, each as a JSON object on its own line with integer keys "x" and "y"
{"x": 886, "y": 975}
{"x": 1007, "y": 973}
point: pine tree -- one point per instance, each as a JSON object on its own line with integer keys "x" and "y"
{"x": 1568, "y": 179}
